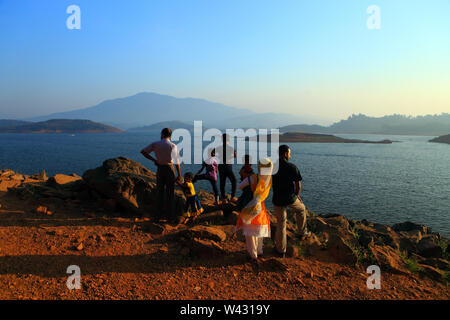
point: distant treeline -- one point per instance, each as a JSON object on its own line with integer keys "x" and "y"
{"x": 429, "y": 125}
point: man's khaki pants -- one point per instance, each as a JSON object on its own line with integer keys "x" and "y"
{"x": 281, "y": 212}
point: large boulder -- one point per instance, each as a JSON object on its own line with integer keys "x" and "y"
{"x": 340, "y": 250}
{"x": 429, "y": 247}
{"x": 313, "y": 247}
{"x": 5, "y": 185}
{"x": 9, "y": 180}
{"x": 411, "y": 226}
{"x": 62, "y": 179}
{"x": 129, "y": 183}
{"x": 338, "y": 221}
{"x": 6, "y": 173}
{"x": 334, "y": 225}
{"x": 211, "y": 217}
{"x": 205, "y": 233}
{"x": 379, "y": 234}
{"x": 205, "y": 249}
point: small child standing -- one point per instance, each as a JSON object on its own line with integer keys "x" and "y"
{"x": 193, "y": 206}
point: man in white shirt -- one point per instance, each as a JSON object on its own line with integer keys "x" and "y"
{"x": 167, "y": 155}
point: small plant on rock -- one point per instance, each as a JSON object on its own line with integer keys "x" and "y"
{"x": 356, "y": 233}
{"x": 411, "y": 263}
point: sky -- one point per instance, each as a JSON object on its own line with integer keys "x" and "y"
{"x": 316, "y": 59}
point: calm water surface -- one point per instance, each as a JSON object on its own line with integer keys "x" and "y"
{"x": 409, "y": 180}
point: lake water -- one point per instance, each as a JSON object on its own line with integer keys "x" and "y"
{"x": 409, "y": 180}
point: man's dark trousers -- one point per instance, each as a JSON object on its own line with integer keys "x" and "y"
{"x": 165, "y": 179}
{"x": 226, "y": 171}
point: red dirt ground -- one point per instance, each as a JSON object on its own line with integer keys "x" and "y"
{"x": 120, "y": 261}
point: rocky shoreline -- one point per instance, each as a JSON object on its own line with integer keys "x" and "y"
{"x": 124, "y": 190}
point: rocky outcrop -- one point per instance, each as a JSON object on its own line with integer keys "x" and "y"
{"x": 39, "y": 186}
{"x": 202, "y": 241}
{"x": 402, "y": 248}
{"x": 130, "y": 184}
{"x": 409, "y": 226}
{"x": 385, "y": 256}
{"x": 204, "y": 232}
{"x": 429, "y": 247}
{"x": 9, "y": 179}
{"x": 63, "y": 179}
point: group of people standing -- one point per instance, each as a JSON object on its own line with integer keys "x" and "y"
{"x": 253, "y": 217}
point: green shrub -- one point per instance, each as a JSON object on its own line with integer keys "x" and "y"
{"x": 411, "y": 263}
{"x": 363, "y": 256}
{"x": 355, "y": 233}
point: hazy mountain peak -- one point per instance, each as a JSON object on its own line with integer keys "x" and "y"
{"x": 145, "y": 108}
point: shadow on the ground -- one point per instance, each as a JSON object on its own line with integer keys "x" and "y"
{"x": 68, "y": 222}
{"x": 54, "y": 266}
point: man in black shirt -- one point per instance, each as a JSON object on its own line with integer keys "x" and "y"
{"x": 286, "y": 185}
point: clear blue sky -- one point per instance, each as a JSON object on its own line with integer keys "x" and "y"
{"x": 315, "y": 58}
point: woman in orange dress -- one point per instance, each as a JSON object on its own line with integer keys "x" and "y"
{"x": 253, "y": 218}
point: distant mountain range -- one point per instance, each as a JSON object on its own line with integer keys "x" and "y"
{"x": 429, "y": 125}
{"x": 146, "y": 108}
{"x": 147, "y": 112}
{"x": 59, "y": 126}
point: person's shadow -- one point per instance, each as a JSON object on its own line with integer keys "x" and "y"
{"x": 55, "y": 266}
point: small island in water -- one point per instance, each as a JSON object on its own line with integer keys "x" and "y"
{"x": 60, "y": 126}
{"x": 442, "y": 139}
{"x": 321, "y": 138}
